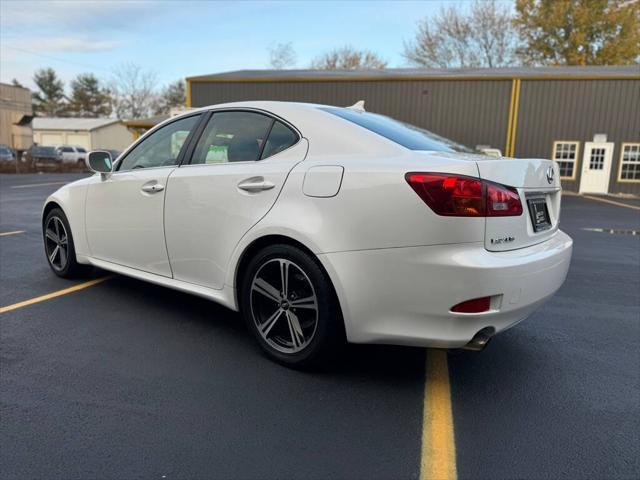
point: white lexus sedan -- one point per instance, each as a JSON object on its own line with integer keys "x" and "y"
{"x": 321, "y": 224}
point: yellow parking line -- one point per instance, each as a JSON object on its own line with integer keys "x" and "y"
{"x": 15, "y": 232}
{"x": 604, "y": 200}
{"x": 59, "y": 293}
{"x": 438, "y": 453}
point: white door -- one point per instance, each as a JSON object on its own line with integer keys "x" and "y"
{"x": 233, "y": 180}
{"x": 79, "y": 140}
{"x": 596, "y": 167}
{"x": 49, "y": 139}
{"x": 124, "y": 213}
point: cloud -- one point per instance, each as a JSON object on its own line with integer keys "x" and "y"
{"x": 20, "y": 17}
{"x": 67, "y": 44}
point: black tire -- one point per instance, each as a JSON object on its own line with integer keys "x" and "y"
{"x": 65, "y": 266}
{"x": 321, "y": 343}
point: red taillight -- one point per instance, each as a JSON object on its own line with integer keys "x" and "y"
{"x": 455, "y": 195}
{"x": 477, "y": 305}
{"x": 462, "y": 196}
{"x": 502, "y": 201}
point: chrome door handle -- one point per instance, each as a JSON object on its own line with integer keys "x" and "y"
{"x": 152, "y": 188}
{"x": 255, "y": 184}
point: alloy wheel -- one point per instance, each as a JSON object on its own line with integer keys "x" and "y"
{"x": 57, "y": 243}
{"x": 284, "y": 305}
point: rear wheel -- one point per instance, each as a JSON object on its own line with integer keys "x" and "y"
{"x": 59, "y": 247}
{"x": 289, "y": 304}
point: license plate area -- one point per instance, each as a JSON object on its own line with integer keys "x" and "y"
{"x": 539, "y": 214}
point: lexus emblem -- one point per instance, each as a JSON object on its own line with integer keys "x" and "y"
{"x": 550, "y": 174}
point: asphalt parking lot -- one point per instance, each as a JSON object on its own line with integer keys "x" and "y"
{"x": 126, "y": 380}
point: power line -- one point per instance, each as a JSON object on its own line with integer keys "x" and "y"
{"x": 58, "y": 59}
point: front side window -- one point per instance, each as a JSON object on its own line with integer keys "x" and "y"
{"x": 161, "y": 148}
{"x": 409, "y": 136}
{"x": 565, "y": 154}
{"x": 232, "y": 137}
{"x": 630, "y": 162}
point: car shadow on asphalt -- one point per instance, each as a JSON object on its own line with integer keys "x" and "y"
{"x": 393, "y": 363}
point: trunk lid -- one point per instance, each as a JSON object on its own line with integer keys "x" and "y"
{"x": 538, "y": 184}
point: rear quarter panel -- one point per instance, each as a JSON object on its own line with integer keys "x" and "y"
{"x": 375, "y": 208}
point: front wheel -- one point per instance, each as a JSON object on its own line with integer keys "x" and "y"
{"x": 289, "y": 304}
{"x": 59, "y": 247}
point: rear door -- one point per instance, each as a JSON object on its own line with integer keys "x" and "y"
{"x": 538, "y": 185}
{"x": 236, "y": 172}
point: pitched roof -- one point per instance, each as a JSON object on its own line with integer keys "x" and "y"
{"x": 71, "y": 123}
{"x": 419, "y": 73}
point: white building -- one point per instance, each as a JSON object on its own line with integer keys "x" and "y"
{"x": 90, "y": 133}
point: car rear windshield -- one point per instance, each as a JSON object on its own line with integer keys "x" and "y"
{"x": 409, "y": 136}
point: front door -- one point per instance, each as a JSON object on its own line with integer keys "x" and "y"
{"x": 596, "y": 167}
{"x": 124, "y": 212}
{"x": 237, "y": 170}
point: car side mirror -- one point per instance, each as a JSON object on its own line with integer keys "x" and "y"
{"x": 100, "y": 161}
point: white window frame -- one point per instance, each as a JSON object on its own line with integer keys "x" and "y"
{"x": 626, "y": 180}
{"x": 575, "y": 160}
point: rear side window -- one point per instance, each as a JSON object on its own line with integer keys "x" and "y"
{"x": 81, "y": 150}
{"x": 67, "y": 149}
{"x": 232, "y": 137}
{"x": 280, "y": 138}
{"x": 409, "y": 136}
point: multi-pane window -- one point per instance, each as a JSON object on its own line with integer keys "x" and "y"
{"x": 630, "y": 162}
{"x": 596, "y": 159}
{"x": 566, "y": 153}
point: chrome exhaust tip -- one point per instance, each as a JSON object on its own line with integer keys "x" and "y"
{"x": 480, "y": 340}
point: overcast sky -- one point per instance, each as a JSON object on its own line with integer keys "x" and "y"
{"x": 176, "y": 39}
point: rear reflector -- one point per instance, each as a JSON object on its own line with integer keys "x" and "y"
{"x": 462, "y": 196}
{"x": 477, "y": 305}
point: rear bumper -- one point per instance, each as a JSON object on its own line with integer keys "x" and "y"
{"x": 403, "y": 295}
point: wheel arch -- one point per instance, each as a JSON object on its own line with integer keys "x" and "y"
{"x": 266, "y": 240}
{"x": 262, "y": 242}
{"x": 48, "y": 206}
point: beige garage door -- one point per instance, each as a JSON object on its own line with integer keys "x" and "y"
{"x": 51, "y": 139}
{"x": 80, "y": 140}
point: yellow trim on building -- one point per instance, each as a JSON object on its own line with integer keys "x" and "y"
{"x": 514, "y": 124}
{"x": 139, "y": 124}
{"x": 507, "y": 145}
{"x": 188, "y": 97}
{"x": 398, "y": 78}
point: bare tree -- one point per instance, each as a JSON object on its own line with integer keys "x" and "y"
{"x": 282, "y": 55}
{"x": 133, "y": 91}
{"x": 495, "y": 34}
{"x": 348, "y": 58}
{"x": 483, "y": 37}
{"x": 171, "y": 96}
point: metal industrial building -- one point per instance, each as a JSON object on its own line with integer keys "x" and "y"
{"x": 15, "y": 117}
{"x": 586, "y": 118}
